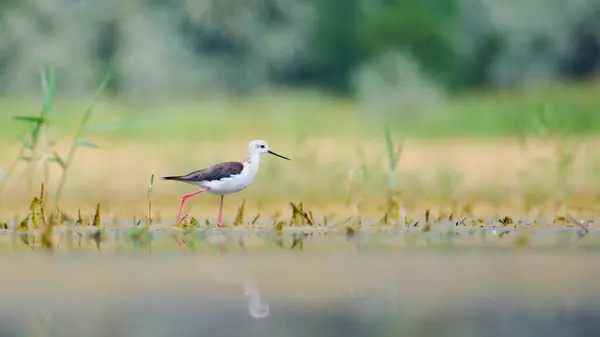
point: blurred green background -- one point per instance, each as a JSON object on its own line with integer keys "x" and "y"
{"x": 198, "y": 48}
{"x": 437, "y": 67}
{"x": 194, "y": 81}
{"x": 389, "y": 109}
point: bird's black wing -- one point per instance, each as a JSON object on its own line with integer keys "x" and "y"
{"x": 213, "y": 173}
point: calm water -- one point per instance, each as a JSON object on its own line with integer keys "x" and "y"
{"x": 453, "y": 280}
{"x": 287, "y": 293}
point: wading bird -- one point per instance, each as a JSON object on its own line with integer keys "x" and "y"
{"x": 226, "y": 178}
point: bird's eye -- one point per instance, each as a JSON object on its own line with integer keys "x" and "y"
{"x": 262, "y": 146}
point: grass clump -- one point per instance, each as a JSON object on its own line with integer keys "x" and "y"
{"x": 77, "y": 141}
{"x": 36, "y": 144}
{"x": 30, "y": 141}
{"x": 393, "y": 153}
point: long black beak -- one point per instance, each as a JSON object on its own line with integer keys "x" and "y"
{"x": 275, "y": 154}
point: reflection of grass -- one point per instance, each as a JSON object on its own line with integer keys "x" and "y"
{"x": 299, "y": 226}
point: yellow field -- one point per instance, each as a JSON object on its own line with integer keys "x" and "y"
{"x": 493, "y": 176}
{"x": 339, "y": 159}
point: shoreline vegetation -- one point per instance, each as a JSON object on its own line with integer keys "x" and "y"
{"x": 531, "y": 152}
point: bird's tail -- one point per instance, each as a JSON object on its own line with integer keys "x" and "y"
{"x": 171, "y": 178}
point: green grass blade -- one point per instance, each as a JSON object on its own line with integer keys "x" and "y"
{"x": 393, "y": 154}
{"x": 398, "y": 152}
{"x": 149, "y": 199}
{"x": 76, "y": 141}
{"x": 24, "y": 142}
{"x": 59, "y": 160}
{"x": 48, "y": 86}
{"x": 389, "y": 144}
{"x": 31, "y": 119}
{"x": 90, "y": 109}
{"x": 48, "y": 93}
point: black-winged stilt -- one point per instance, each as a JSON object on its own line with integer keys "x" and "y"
{"x": 226, "y": 178}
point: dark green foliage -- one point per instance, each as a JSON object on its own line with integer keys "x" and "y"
{"x": 242, "y": 46}
{"x": 350, "y": 32}
{"x": 425, "y": 29}
{"x": 335, "y": 46}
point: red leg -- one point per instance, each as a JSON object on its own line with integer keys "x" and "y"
{"x": 183, "y": 200}
{"x": 181, "y": 208}
{"x": 220, "y": 212}
{"x": 219, "y": 223}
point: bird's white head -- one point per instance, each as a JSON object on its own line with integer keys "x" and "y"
{"x": 260, "y": 147}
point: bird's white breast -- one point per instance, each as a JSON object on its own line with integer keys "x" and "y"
{"x": 232, "y": 184}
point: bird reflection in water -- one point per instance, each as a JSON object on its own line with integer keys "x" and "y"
{"x": 256, "y": 307}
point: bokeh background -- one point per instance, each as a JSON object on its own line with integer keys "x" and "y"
{"x": 472, "y": 109}
{"x": 495, "y": 102}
